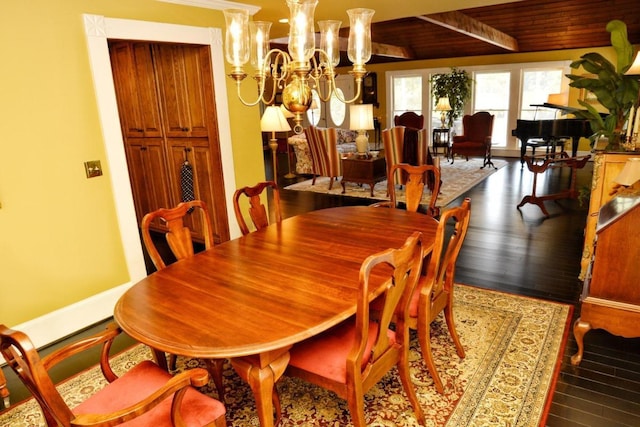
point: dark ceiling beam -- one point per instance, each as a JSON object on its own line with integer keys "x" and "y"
{"x": 378, "y": 49}
{"x": 461, "y": 23}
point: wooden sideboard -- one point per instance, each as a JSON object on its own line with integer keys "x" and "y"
{"x": 611, "y": 295}
{"x": 606, "y": 168}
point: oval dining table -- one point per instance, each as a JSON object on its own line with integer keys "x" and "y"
{"x": 251, "y": 298}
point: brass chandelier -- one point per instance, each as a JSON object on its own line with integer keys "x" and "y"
{"x": 303, "y": 67}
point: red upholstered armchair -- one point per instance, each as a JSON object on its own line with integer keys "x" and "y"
{"x": 476, "y": 140}
{"x": 409, "y": 119}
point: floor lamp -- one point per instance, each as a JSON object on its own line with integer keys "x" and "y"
{"x": 273, "y": 121}
{"x": 288, "y": 115}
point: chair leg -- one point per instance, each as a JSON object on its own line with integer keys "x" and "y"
{"x": 330, "y": 183}
{"x": 405, "y": 378}
{"x": 448, "y": 316}
{"x": 215, "y": 368}
{"x": 424, "y": 337}
{"x": 355, "y": 400}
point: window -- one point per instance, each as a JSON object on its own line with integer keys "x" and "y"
{"x": 407, "y": 95}
{"x": 537, "y": 85}
{"x": 505, "y": 90}
{"x": 491, "y": 94}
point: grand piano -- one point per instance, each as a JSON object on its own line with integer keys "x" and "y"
{"x": 548, "y": 132}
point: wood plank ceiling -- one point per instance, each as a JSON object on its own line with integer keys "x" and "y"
{"x": 524, "y": 26}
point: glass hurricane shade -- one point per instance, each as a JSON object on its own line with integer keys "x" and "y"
{"x": 630, "y": 173}
{"x": 236, "y": 42}
{"x": 302, "y": 39}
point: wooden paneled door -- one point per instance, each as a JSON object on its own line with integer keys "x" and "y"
{"x": 167, "y": 112}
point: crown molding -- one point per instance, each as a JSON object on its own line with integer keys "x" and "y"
{"x": 215, "y": 4}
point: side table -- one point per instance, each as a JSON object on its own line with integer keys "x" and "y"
{"x": 441, "y": 139}
{"x": 363, "y": 171}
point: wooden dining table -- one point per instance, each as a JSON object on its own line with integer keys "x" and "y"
{"x": 250, "y": 299}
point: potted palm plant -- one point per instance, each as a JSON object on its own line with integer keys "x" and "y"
{"x": 455, "y": 85}
{"x": 615, "y": 91}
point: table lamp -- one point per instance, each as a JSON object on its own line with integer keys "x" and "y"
{"x": 273, "y": 121}
{"x": 629, "y": 175}
{"x": 361, "y": 119}
{"x": 443, "y": 106}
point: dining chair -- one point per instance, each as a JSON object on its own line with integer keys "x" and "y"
{"x": 414, "y": 178}
{"x": 353, "y": 356}
{"x": 146, "y": 395}
{"x": 179, "y": 236}
{"x": 475, "y": 139}
{"x": 181, "y": 244}
{"x": 434, "y": 292}
{"x": 257, "y": 210}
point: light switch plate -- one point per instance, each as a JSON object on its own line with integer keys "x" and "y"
{"x": 93, "y": 168}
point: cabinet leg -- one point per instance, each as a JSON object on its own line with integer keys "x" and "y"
{"x": 580, "y": 328}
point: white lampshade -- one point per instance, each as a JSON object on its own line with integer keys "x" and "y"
{"x": 443, "y": 104}
{"x": 558, "y": 99}
{"x": 360, "y": 116}
{"x": 630, "y": 174}
{"x": 273, "y": 120}
{"x": 634, "y": 70}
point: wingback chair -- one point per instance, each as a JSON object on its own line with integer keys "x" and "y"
{"x": 325, "y": 159}
{"x": 393, "y": 140}
{"x": 410, "y": 120}
{"x": 476, "y": 139}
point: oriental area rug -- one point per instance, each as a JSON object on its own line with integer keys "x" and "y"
{"x": 456, "y": 178}
{"x": 513, "y": 348}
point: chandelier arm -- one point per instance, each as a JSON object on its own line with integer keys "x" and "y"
{"x": 358, "y": 80}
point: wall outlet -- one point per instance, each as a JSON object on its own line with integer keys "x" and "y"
{"x": 93, "y": 168}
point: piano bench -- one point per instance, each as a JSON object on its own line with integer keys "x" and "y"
{"x": 550, "y": 144}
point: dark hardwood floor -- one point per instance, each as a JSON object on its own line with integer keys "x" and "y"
{"x": 524, "y": 253}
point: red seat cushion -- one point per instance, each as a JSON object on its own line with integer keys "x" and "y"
{"x": 326, "y": 354}
{"x": 138, "y": 383}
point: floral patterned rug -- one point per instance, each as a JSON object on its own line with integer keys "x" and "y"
{"x": 513, "y": 348}
{"x": 456, "y": 178}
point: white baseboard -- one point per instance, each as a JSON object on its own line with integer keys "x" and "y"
{"x": 72, "y": 318}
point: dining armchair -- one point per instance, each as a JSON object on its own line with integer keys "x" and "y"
{"x": 258, "y": 212}
{"x": 409, "y": 119}
{"x": 146, "y": 395}
{"x": 434, "y": 292}
{"x": 353, "y": 356}
{"x": 182, "y": 246}
{"x": 325, "y": 158}
{"x": 414, "y": 187}
{"x": 476, "y": 138}
{"x": 393, "y": 140}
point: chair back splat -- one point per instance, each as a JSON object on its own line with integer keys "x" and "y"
{"x": 179, "y": 236}
{"x": 141, "y": 397}
{"x": 414, "y": 181}
{"x": 353, "y": 356}
{"x": 434, "y": 292}
{"x": 257, "y": 210}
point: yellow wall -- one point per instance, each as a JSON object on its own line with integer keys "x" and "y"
{"x": 59, "y": 240}
{"x": 58, "y": 229}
